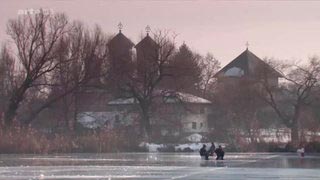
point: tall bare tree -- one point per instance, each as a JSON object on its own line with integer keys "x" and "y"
{"x": 294, "y": 94}
{"x": 236, "y": 108}
{"x": 209, "y": 67}
{"x": 87, "y": 49}
{"x": 37, "y": 39}
{"x": 143, "y": 85}
{"x": 6, "y": 76}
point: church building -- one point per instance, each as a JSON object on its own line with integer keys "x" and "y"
{"x": 175, "y": 113}
{"x": 247, "y": 66}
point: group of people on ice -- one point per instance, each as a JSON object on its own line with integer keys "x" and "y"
{"x": 204, "y": 153}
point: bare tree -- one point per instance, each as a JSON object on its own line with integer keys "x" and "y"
{"x": 209, "y": 66}
{"x": 36, "y": 38}
{"x": 239, "y": 106}
{"x": 88, "y": 51}
{"x": 294, "y": 94}
{"x": 143, "y": 85}
{"x": 6, "y": 76}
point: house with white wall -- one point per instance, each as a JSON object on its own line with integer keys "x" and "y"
{"x": 170, "y": 115}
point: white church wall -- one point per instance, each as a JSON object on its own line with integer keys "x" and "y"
{"x": 194, "y": 123}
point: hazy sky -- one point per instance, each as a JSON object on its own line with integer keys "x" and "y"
{"x": 279, "y": 29}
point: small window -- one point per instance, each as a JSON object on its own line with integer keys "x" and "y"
{"x": 201, "y": 110}
{"x": 194, "y": 125}
{"x": 201, "y": 125}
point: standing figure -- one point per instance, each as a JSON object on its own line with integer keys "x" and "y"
{"x": 301, "y": 152}
{"x": 212, "y": 149}
{"x": 203, "y": 153}
{"x": 219, "y": 152}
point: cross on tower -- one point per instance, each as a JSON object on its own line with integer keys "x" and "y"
{"x": 247, "y": 44}
{"x": 148, "y": 29}
{"x": 120, "y": 26}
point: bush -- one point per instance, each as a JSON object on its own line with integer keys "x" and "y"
{"x": 167, "y": 148}
{"x": 290, "y": 147}
{"x": 257, "y": 147}
{"x": 276, "y": 147}
{"x": 28, "y": 140}
{"x": 233, "y": 148}
{"x": 312, "y": 147}
{"x": 187, "y": 149}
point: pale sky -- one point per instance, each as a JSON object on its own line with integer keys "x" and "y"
{"x": 286, "y": 30}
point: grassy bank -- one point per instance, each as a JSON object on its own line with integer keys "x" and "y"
{"x": 28, "y": 140}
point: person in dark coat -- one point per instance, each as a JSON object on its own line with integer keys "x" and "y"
{"x": 212, "y": 149}
{"x": 203, "y": 153}
{"x": 219, "y": 152}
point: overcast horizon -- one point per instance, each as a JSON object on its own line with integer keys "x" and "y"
{"x": 286, "y": 30}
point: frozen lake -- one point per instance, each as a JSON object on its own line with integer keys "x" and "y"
{"x": 153, "y": 166}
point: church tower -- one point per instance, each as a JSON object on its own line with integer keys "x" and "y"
{"x": 120, "y": 57}
{"x": 147, "y": 55}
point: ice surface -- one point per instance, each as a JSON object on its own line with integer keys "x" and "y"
{"x": 153, "y": 166}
